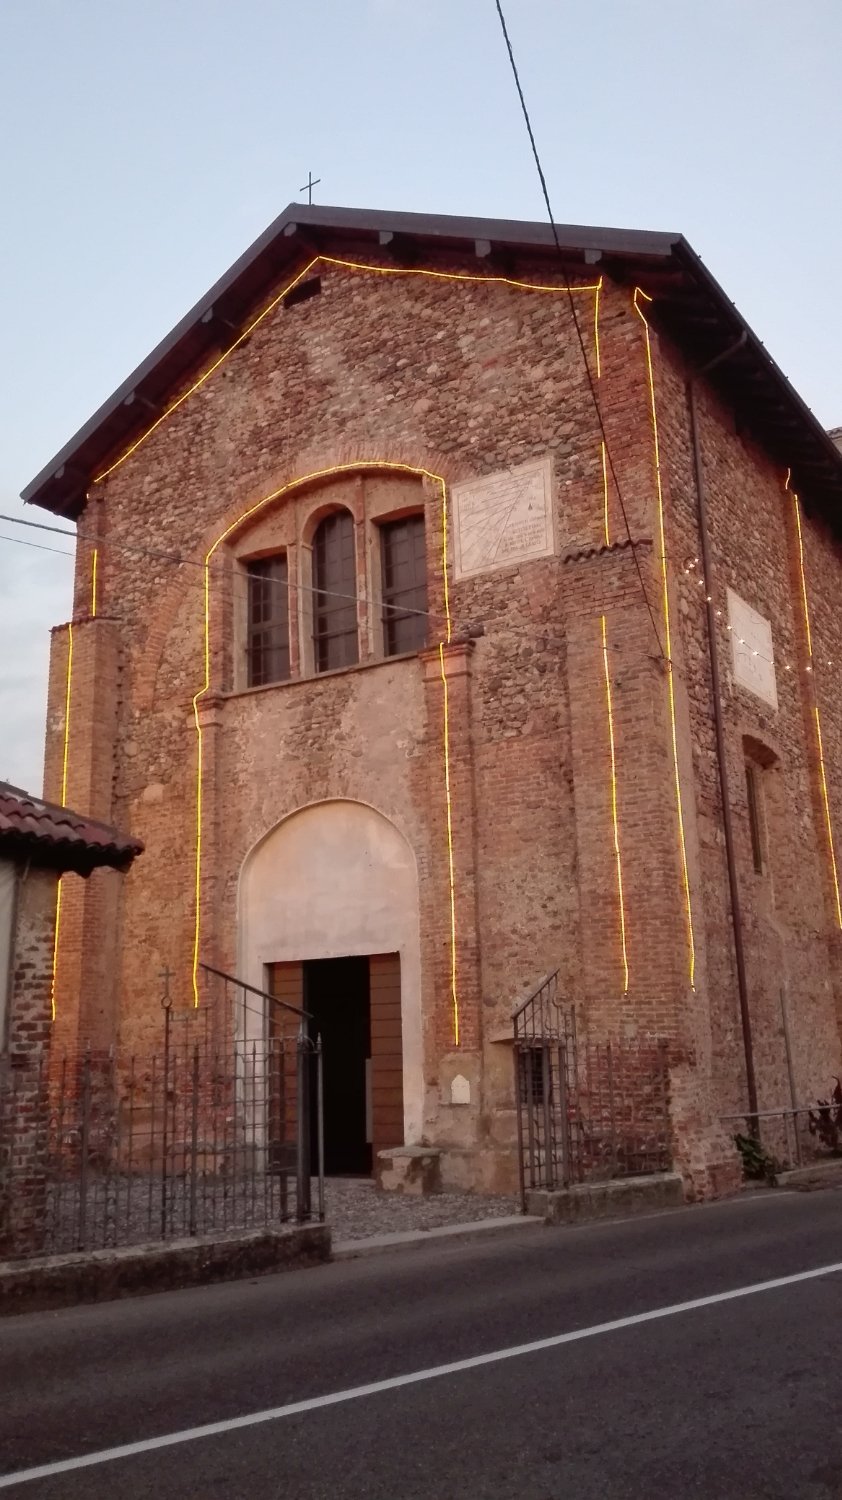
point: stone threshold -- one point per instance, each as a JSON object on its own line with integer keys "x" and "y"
{"x": 46, "y": 1282}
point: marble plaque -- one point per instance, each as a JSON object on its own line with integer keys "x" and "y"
{"x": 504, "y": 518}
{"x": 460, "y": 1090}
{"x": 752, "y": 650}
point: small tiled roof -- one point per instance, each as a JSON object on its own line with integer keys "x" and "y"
{"x": 51, "y": 835}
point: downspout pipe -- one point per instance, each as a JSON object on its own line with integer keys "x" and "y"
{"x": 722, "y": 764}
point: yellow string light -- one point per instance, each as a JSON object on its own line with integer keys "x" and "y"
{"x": 94, "y": 560}
{"x": 685, "y": 874}
{"x": 68, "y": 680}
{"x": 606, "y": 527}
{"x": 449, "y": 807}
{"x": 614, "y": 817}
{"x": 295, "y": 484}
{"x": 598, "y": 290}
{"x": 605, "y": 518}
{"x": 817, "y": 721}
{"x": 348, "y": 265}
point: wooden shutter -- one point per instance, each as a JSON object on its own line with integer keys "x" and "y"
{"x": 286, "y": 981}
{"x": 267, "y": 650}
{"x": 386, "y": 1052}
{"x": 335, "y": 637}
{"x": 404, "y": 561}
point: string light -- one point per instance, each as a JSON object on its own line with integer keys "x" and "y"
{"x": 614, "y": 817}
{"x": 606, "y": 529}
{"x": 685, "y": 874}
{"x": 94, "y": 560}
{"x": 348, "y": 265}
{"x": 295, "y": 484}
{"x": 68, "y": 681}
{"x": 454, "y": 1000}
{"x": 805, "y": 604}
{"x": 689, "y": 568}
{"x": 598, "y": 290}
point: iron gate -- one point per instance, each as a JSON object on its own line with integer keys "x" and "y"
{"x": 586, "y": 1110}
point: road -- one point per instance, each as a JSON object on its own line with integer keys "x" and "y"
{"x": 735, "y": 1399}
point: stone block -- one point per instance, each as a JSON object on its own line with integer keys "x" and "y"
{"x": 103, "y": 1275}
{"x": 412, "y": 1170}
{"x": 619, "y": 1198}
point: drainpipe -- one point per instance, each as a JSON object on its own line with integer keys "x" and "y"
{"x": 722, "y": 765}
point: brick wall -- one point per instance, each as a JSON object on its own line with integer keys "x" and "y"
{"x": 461, "y": 380}
{"x": 23, "y": 1067}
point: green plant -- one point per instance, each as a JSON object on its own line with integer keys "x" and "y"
{"x": 758, "y": 1165}
{"x": 825, "y": 1121}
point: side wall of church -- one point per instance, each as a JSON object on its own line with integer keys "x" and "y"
{"x": 790, "y": 911}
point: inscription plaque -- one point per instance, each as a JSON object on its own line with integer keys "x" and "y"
{"x": 504, "y": 518}
{"x": 752, "y": 651}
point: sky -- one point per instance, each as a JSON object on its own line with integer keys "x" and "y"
{"x": 146, "y": 143}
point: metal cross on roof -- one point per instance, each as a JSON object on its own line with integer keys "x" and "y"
{"x": 309, "y": 185}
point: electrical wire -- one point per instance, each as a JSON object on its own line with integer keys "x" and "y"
{"x": 192, "y": 562}
{"x": 21, "y": 541}
{"x": 576, "y": 323}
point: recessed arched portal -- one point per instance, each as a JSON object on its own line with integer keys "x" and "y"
{"x": 329, "y": 901}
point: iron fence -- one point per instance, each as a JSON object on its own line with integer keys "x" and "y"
{"x": 210, "y": 1133}
{"x": 586, "y": 1109}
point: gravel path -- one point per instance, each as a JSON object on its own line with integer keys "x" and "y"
{"x": 355, "y": 1209}
{"x": 123, "y": 1211}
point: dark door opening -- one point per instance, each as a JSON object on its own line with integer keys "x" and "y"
{"x": 337, "y": 995}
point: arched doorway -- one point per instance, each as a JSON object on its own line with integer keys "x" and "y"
{"x": 328, "y": 914}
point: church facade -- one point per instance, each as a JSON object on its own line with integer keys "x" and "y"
{"x": 452, "y": 609}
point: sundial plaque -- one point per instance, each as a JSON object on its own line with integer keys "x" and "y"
{"x": 503, "y": 518}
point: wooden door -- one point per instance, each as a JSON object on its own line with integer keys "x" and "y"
{"x": 386, "y": 1052}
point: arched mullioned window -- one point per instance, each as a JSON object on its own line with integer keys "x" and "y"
{"x": 404, "y": 588}
{"x": 335, "y": 635}
{"x": 267, "y": 642}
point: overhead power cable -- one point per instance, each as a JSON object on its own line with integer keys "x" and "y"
{"x": 576, "y": 323}
{"x": 191, "y": 562}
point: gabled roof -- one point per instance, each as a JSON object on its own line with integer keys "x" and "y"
{"x": 689, "y": 305}
{"x": 54, "y": 836}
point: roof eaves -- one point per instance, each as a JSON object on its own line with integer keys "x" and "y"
{"x": 446, "y": 231}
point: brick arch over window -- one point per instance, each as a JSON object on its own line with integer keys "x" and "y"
{"x": 288, "y": 515}
{"x": 336, "y": 640}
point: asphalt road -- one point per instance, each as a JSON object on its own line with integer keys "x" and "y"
{"x": 736, "y": 1399}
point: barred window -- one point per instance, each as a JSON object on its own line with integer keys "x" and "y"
{"x": 404, "y": 567}
{"x": 267, "y": 647}
{"x": 335, "y": 638}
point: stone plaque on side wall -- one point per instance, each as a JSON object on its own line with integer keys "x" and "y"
{"x": 504, "y": 518}
{"x": 752, "y": 651}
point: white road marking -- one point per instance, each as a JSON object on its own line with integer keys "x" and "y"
{"x": 335, "y": 1398}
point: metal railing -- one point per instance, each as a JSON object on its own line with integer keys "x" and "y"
{"x": 586, "y": 1109}
{"x": 792, "y": 1136}
{"x": 209, "y": 1133}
